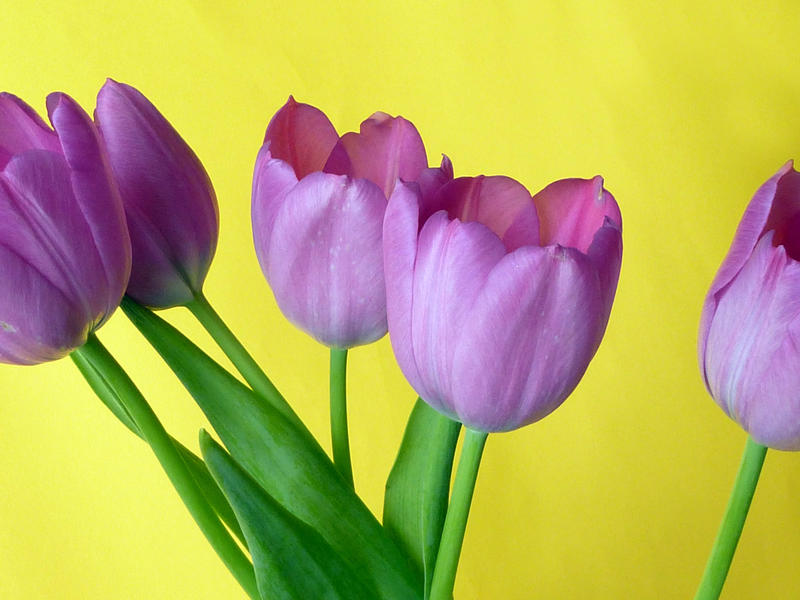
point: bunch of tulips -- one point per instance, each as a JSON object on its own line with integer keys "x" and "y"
{"x": 495, "y": 301}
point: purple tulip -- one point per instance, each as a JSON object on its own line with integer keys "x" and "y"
{"x": 318, "y": 207}
{"x": 65, "y": 254}
{"x": 750, "y": 326}
{"x": 497, "y": 301}
{"x": 169, "y": 201}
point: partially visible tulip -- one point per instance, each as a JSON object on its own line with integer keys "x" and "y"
{"x": 169, "y": 201}
{"x": 498, "y": 301}
{"x": 749, "y": 341}
{"x": 318, "y": 207}
{"x": 64, "y": 249}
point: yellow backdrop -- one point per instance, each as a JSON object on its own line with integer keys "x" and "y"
{"x": 685, "y": 110}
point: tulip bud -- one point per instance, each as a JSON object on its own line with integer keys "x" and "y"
{"x": 169, "y": 201}
{"x": 750, "y": 325}
{"x": 497, "y": 301}
{"x": 318, "y": 206}
{"x": 64, "y": 247}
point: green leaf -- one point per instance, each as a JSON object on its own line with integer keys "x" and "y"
{"x": 415, "y": 503}
{"x": 291, "y": 559}
{"x": 109, "y": 396}
{"x": 285, "y": 460}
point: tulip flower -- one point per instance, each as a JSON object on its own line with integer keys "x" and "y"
{"x": 748, "y": 351}
{"x": 751, "y": 318}
{"x": 498, "y": 301}
{"x": 318, "y": 206}
{"x": 65, "y": 253}
{"x": 169, "y": 201}
{"x": 173, "y": 219}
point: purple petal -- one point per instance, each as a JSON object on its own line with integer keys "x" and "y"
{"x": 500, "y": 203}
{"x": 272, "y": 180}
{"x": 532, "y": 333}
{"x": 606, "y": 254}
{"x": 753, "y": 347}
{"x": 431, "y": 180}
{"x": 302, "y": 136}
{"x": 325, "y": 260}
{"x": 386, "y": 149}
{"x": 38, "y": 322}
{"x": 169, "y": 200}
{"x": 400, "y": 230}
{"x": 95, "y": 193}
{"x": 750, "y": 229}
{"x": 41, "y": 222}
{"x": 571, "y": 211}
{"x": 452, "y": 264}
{"x": 22, "y": 129}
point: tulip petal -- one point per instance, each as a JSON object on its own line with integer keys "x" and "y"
{"x": 400, "y": 231}
{"x": 22, "y": 129}
{"x": 325, "y": 262}
{"x": 95, "y": 194}
{"x": 431, "y": 180}
{"x": 750, "y": 229}
{"x": 571, "y": 211}
{"x": 499, "y": 202}
{"x": 302, "y": 136}
{"x": 41, "y": 221}
{"x": 533, "y": 331}
{"x": 452, "y": 264}
{"x": 606, "y": 254}
{"x": 170, "y": 203}
{"x": 750, "y": 362}
{"x": 272, "y": 180}
{"x": 38, "y": 322}
{"x": 386, "y": 149}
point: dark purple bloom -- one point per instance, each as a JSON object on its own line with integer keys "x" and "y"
{"x": 169, "y": 201}
{"x": 65, "y": 255}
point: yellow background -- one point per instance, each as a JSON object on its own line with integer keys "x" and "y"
{"x": 685, "y": 110}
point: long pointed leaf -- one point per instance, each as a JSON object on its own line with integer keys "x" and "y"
{"x": 291, "y": 560}
{"x": 285, "y": 460}
{"x": 105, "y": 391}
{"x": 415, "y": 503}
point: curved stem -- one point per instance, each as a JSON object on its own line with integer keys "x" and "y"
{"x": 167, "y": 454}
{"x": 238, "y": 355}
{"x": 455, "y": 524}
{"x": 719, "y": 562}
{"x": 340, "y": 438}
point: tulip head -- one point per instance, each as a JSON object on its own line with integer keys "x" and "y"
{"x": 169, "y": 201}
{"x": 318, "y": 207}
{"x": 64, "y": 248}
{"x": 497, "y": 301}
{"x": 750, "y": 326}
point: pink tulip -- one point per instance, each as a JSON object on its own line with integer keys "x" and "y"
{"x": 65, "y": 255}
{"x": 750, "y": 326}
{"x": 498, "y": 301}
{"x": 318, "y": 206}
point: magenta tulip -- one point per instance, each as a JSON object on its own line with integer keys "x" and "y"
{"x": 498, "y": 301}
{"x": 64, "y": 247}
{"x": 169, "y": 201}
{"x": 318, "y": 207}
{"x": 750, "y": 326}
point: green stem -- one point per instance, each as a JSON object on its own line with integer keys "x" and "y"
{"x": 238, "y": 355}
{"x": 732, "y": 524}
{"x": 340, "y": 439}
{"x": 455, "y": 523}
{"x": 153, "y": 432}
